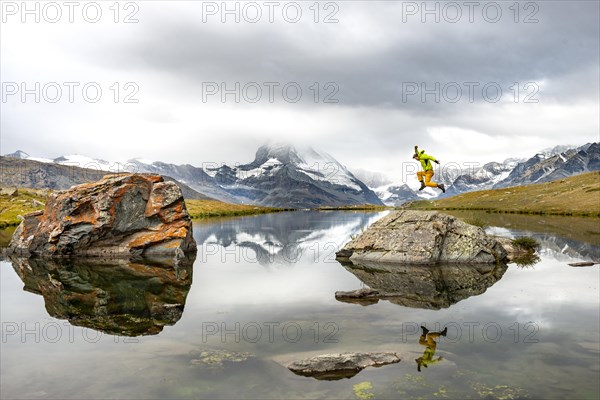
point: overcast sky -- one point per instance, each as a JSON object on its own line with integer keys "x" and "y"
{"x": 382, "y": 64}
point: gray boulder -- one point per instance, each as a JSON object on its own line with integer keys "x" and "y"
{"x": 338, "y": 366}
{"x": 423, "y": 237}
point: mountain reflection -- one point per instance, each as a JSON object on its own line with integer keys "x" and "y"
{"x": 282, "y": 238}
{"x": 420, "y": 286}
{"x": 118, "y": 297}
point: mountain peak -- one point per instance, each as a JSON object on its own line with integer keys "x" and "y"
{"x": 283, "y": 152}
{"x": 287, "y": 153}
{"x": 18, "y": 154}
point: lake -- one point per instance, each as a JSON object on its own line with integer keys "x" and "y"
{"x": 260, "y": 294}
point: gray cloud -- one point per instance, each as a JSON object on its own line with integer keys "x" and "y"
{"x": 563, "y": 42}
{"x": 369, "y": 54}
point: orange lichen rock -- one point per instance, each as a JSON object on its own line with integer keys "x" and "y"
{"x": 120, "y": 215}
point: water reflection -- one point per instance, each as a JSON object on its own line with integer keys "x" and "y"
{"x": 559, "y": 359}
{"x": 118, "y": 297}
{"x": 428, "y": 339}
{"x": 282, "y": 238}
{"x": 420, "y": 286}
{"x": 561, "y": 237}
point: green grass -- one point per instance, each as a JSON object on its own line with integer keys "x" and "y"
{"x": 212, "y": 208}
{"x": 23, "y": 202}
{"x": 526, "y": 242}
{"x": 577, "y": 196}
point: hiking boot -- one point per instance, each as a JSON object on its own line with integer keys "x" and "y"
{"x": 441, "y": 186}
{"x": 422, "y": 185}
{"x": 425, "y": 330}
{"x": 444, "y": 332}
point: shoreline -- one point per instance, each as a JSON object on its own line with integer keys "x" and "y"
{"x": 508, "y": 211}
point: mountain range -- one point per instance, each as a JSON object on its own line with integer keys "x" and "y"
{"x": 282, "y": 175}
{"x": 546, "y": 165}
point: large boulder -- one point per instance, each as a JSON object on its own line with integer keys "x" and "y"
{"x": 423, "y": 237}
{"x": 118, "y": 216}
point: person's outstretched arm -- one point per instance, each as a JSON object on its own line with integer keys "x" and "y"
{"x": 428, "y": 157}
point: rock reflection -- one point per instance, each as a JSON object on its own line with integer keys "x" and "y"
{"x": 114, "y": 296}
{"x": 420, "y": 286}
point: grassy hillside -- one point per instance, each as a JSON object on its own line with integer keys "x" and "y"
{"x": 576, "y": 195}
{"x": 213, "y": 208}
{"x": 18, "y": 203}
{"x": 582, "y": 229}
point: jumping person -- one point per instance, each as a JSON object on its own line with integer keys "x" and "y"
{"x": 427, "y": 339}
{"x": 427, "y": 172}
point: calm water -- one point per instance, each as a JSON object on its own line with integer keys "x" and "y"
{"x": 261, "y": 294}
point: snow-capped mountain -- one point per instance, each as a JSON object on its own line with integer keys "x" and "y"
{"x": 396, "y": 195}
{"x": 195, "y": 177}
{"x": 547, "y": 167}
{"x": 552, "y": 151}
{"x": 284, "y": 175}
{"x": 281, "y": 175}
{"x": 548, "y": 164}
{"x": 481, "y": 178}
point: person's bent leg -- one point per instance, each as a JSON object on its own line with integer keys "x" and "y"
{"x": 428, "y": 176}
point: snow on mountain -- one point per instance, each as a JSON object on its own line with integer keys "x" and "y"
{"x": 24, "y": 156}
{"x": 281, "y": 175}
{"x": 541, "y": 168}
{"x": 267, "y": 166}
{"x": 18, "y": 154}
{"x": 548, "y": 164}
{"x": 322, "y": 166}
{"x": 396, "y": 195}
{"x": 481, "y": 178}
{"x": 79, "y": 160}
{"x": 194, "y": 177}
{"x": 552, "y": 151}
{"x": 285, "y": 175}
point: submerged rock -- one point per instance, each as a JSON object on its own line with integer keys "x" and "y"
{"x": 420, "y": 286}
{"x": 363, "y": 296}
{"x": 216, "y": 358}
{"x": 118, "y": 216}
{"x": 115, "y": 296}
{"x": 583, "y": 264}
{"x": 423, "y": 237}
{"x": 339, "y": 366}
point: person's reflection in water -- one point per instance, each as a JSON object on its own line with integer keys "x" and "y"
{"x": 427, "y": 339}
